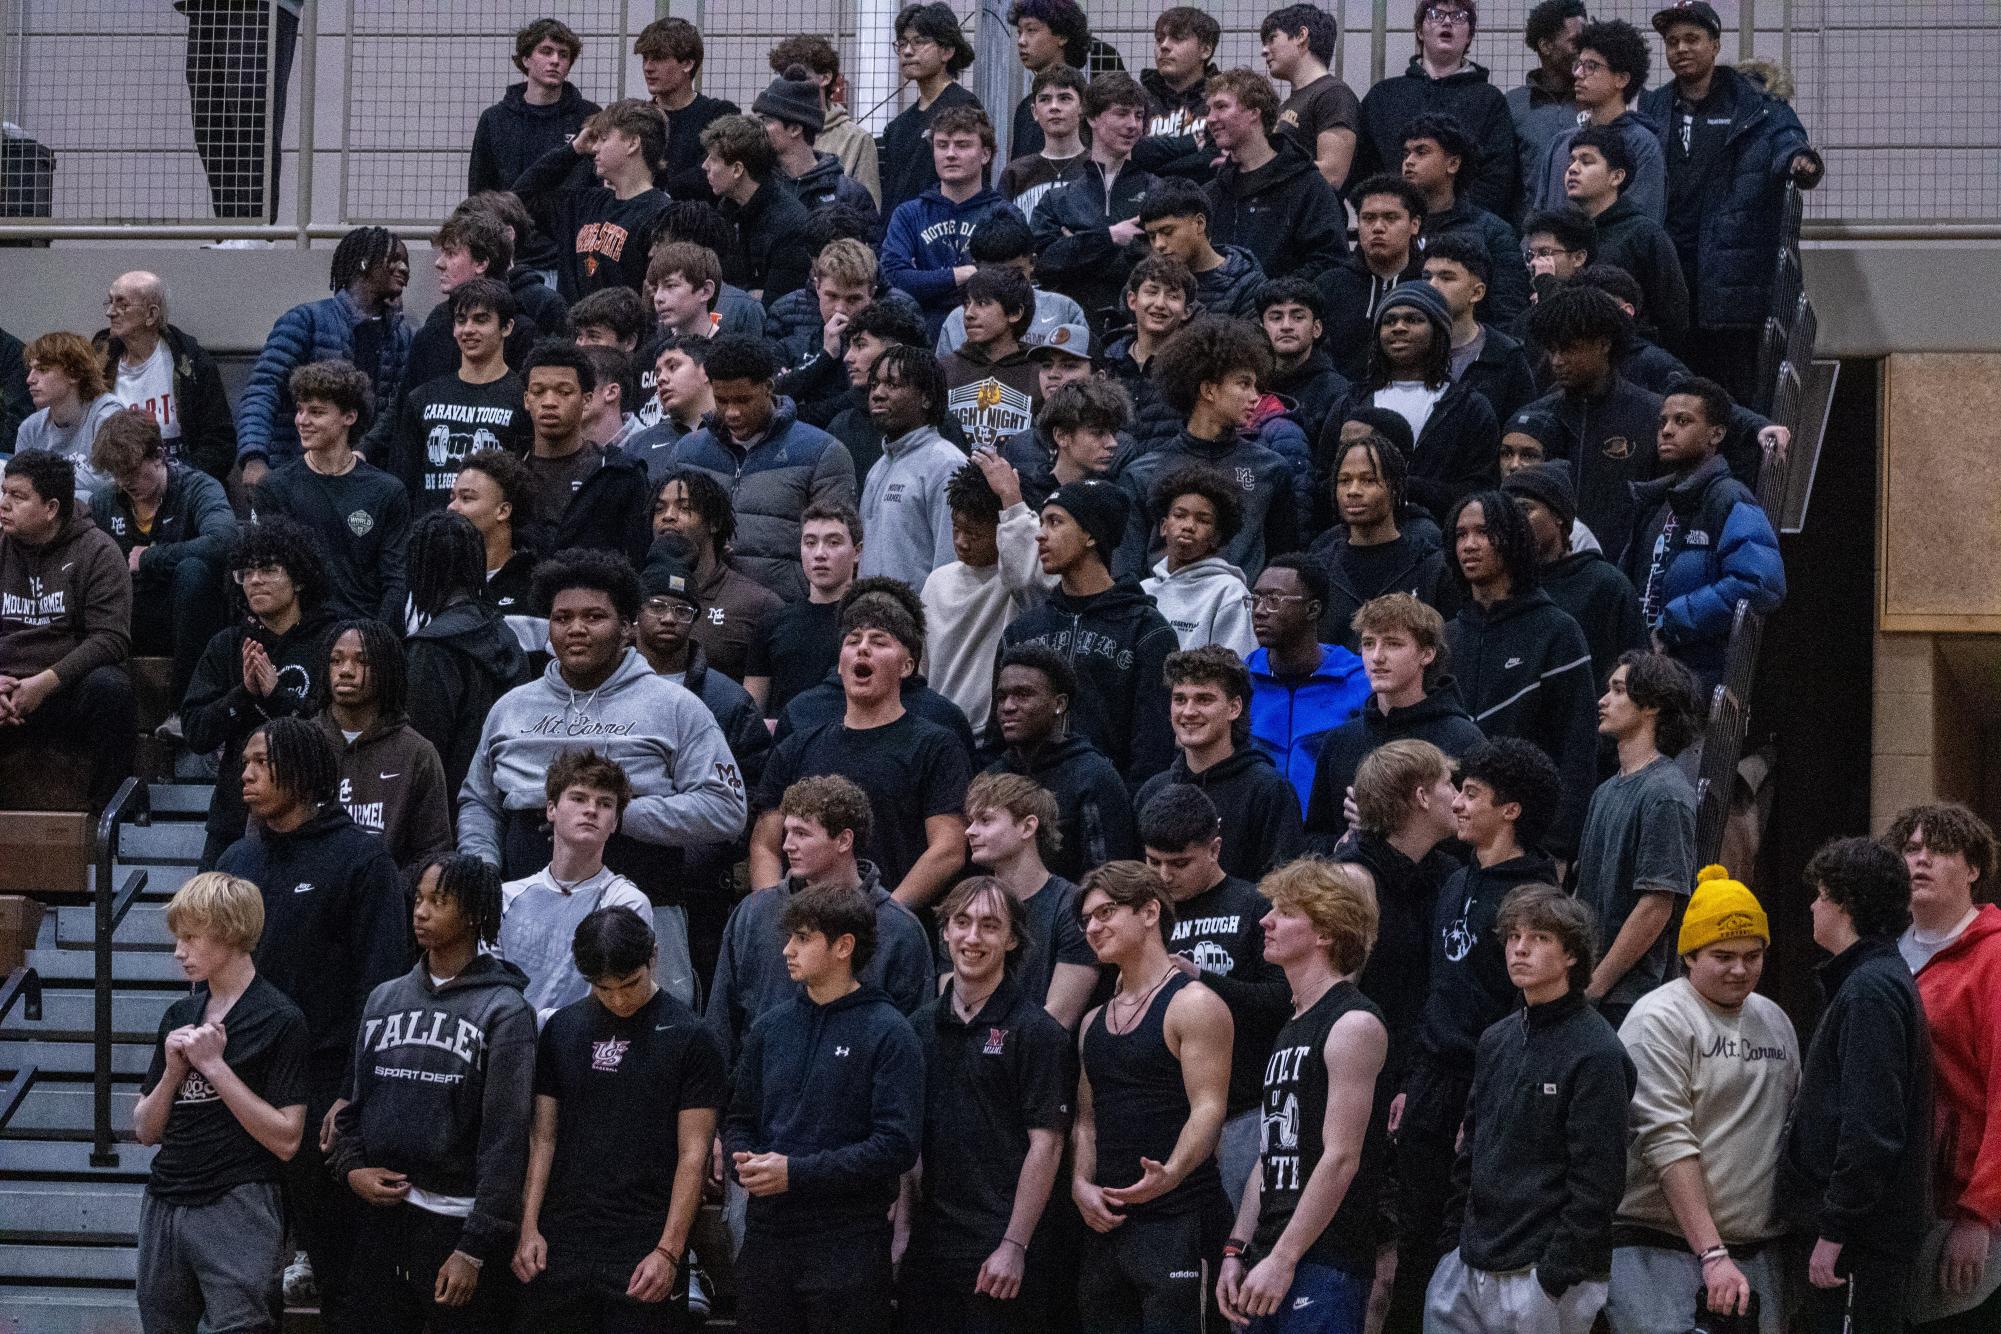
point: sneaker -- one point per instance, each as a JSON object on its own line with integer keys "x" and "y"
{"x": 170, "y": 730}
{"x": 300, "y": 1290}
{"x": 698, "y": 1294}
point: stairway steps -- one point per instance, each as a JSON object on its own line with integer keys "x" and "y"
{"x": 60, "y": 1310}
{"x": 93, "y": 1264}
{"x": 128, "y": 967}
{"x": 61, "y": 1109}
{"x": 168, "y": 841}
{"x": 128, "y": 1059}
{"x": 71, "y": 1159}
{"x": 72, "y": 1013}
{"x": 59, "y": 1210}
{"x": 144, "y": 927}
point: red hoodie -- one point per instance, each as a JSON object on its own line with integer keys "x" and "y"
{"x": 1961, "y": 990}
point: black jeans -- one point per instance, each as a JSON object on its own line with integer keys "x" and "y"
{"x": 98, "y": 712}
{"x": 325, "y": 1213}
{"x": 397, "y": 1255}
{"x": 229, "y": 49}
{"x": 1426, "y": 1144}
{"x": 177, "y": 613}
{"x": 828, "y": 1283}
{"x": 582, "y": 1296}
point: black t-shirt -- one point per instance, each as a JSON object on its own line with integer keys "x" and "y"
{"x": 1219, "y": 930}
{"x": 620, "y": 1086}
{"x": 800, "y": 644}
{"x": 1325, "y": 104}
{"x": 1054, "y": 936}
{"x": 554, "y": 482}
{"x": 205, "y": 1150}
{"x": 911, "y": 769}
{"x": 444, "y": 420}
{"x": 1370, "y": 569}
{"x": 986, "y": 1085}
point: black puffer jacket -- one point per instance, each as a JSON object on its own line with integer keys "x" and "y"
{"x": 1074, "y": 253}
{"x": 1231, "y": 288}
{"x": 1284, "y": 212}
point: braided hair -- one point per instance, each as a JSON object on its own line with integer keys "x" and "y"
{"x": 303, "y": 763}
{"x": 358, "y": 252}
{"x": 447, "y": 562}
{"x": 1390, "y": 465}
{"x": 470, "y": 883}
{"x": 388, "y": 673}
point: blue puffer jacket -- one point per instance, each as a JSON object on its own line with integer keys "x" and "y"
{"x": 314, "y": 331}
{"x": 1735, "y": 229}
{"x": 1290, "y": 718}
{"x": 1723, "y": 549}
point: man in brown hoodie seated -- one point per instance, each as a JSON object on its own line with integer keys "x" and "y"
{"x": 65, "y": 623}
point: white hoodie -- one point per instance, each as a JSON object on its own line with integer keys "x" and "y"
{"x": 965, "y": 610}
{"x": 1206, "y": 602}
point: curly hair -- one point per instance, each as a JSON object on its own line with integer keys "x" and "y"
{"x": 969, "y": 493}
{"x": 1177, "y": 817}
{"x": 832, "y": 802}
{"x": 1208, "y": 350}
{"x": 1039, "y": 657}
{"x": 470, "y": 883}
{"x": 1517, "y": 771}
{"x": 511, "y": 476}
{"x": 584, "y": 567}
{"x": 339, "y": 383}
{"x": 1947, "y": 827}
{"x": 741, "y": 357}
{"x": 1451, "y": 138}
{"x": 1209, "y": 484}
{"x": 1867, "y": 881}
{"x": 304, "y": 764}
{"x": 289, "y": 545}
{"x": 1575, "y": 314}
{"x": 1291, "y": 292}
{"x": 1624, "y": 50}
{"x": 914, "y": 366}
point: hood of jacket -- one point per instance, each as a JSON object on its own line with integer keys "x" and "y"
{"x": 330, "y": 818}
{"x": 1241, "y": 761}
{"x": 631, "y": 670}
{"x": 1570, "y": 565}
{"x": 568, "y": 103}
{"x": 1124, "y": 600}
{"x": 1289, "y": 165}
{"x": 41, "y": 556}
{"x": 478, "y": 631}
{"x": 1050, "y": 756}
{"x": 935, "y": 207}
{"x": 1336, "y": 664}
{"x": 783, "y": 414}
{"x": 1208, "y": 570}
{"x": 824, "y": 174}
{"x": 1473, "y": 73}
{"x": 1440, "y": 702}
{"x": 484, "y": 973}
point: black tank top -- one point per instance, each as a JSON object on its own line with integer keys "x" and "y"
{"x": 1139, "y": 1105}
{"x": 1295, "y": 1107}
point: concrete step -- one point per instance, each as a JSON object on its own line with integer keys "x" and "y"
{"x": 128, "y": 1059}
{"x": 47, "y": 1158}
{"x": 88, "y": 1264}
{"x": 72, "y": 1012}
{"x": 169, "y": 841}
{"x": 105, "y": 1211}
{"x": 61, "y": 1109}
{"x": 180, "y": 798}
{"x": 144, "y": 927}
{"x": 138, "y": 967}
{"x": 61, "y": 1310}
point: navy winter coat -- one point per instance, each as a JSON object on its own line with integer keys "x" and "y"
{"x": 313, "y": 331}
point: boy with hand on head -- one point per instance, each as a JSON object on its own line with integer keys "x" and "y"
{"x": 588, "y": 795}
{"x": 825, "y": 1115}
{"x": 992, "y": 386}
{"x": 1201, "y": 594}
{"x": 608, "y": 1172}
{"x": 968, "y": 602}
{"x": 434, "y": 1134}
{"x": 768, "y": 219}
{"x": 225, "y": 1101}
{"x": 610, "y": 225}
{"x": 478, "y": 407}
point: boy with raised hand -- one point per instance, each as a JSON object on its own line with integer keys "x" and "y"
{"x": 434, "y": 1131}
{"x": 602, "y": 231}
{"x": 998, "y": 1093}
{"x": 225, "y": 1101}
{"x": 476, "y": 408}
{"x": 969, "y": 601}
{"x": 608, "y": 1170}
{"x": 588, "y": 795}
{"x": 826, "y": 1115}
{"x": 1306, "y": 1231}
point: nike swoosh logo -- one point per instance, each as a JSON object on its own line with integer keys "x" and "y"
{"x": 387, "y": 777}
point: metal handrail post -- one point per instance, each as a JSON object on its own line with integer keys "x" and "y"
{"x": 308, "y": 119}
{"x": 133, "y": 798}
{"x": 1747, "y": 30}
{"x": 1379, "y": 39}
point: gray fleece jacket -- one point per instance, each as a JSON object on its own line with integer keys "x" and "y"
{"x": 686, "y": 788}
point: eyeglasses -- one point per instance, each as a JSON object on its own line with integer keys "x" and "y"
{"x": 1103, "y": 913}
{"x": 118, "y": 305}
{"x": 1273, "y": 601}
{"x": 257, "y": 574}
{"x": 1589, "y": 66}
{"x": 1545, "y": 251}
{"x": 910, "y": 45}
{"x": 673, "y": 609}
{"x": 1446, "y": 17}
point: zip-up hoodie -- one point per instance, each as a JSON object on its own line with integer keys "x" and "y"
{"x": 1291, "y": 717}
{"x": 512, "y": 134}
{"x": 335, "y": 924}
{"x": 1285, "y": 213}
{"x": 1602, "y": 602}
{"x": 927, "y": 239}
{"x": 1262, "y": 475}
{"x": 825, "y": 182}
{"x": 194, "y": 521}
{"x": 218, "y": 713}
{"x": 1542, "y": 1161}
{"x": 839, "y": 1090}
{"x": 1470, "y": 990}
{"x": 1959, "y": 988}
{"x": 966, "y": 608}
{"x": 1117, "y": 642}
{"x": 392, "y": 784}
{"x": 1417, "y": 569}
{"x": 1074, "y": 253}
{"x": 460, "y": 662}
{"x": 1853, "y": 1165}
{"x": 750, "y": 976}
{"x": 904, "y": 510}
{"x": 1260, "y": 816}
{"x": 1438, "y": 718}
{"x": 1207, "y": 602}
{"x": 686, "y": 790}
{"x": 1095, "y": 808}
{"x": 65, "y": 604}
{"x": 1524, "y": 669}
{"x": 444, "y": 1078}
{"x": 1610, "y": 440}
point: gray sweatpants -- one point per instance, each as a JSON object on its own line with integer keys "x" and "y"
{"x": 213, "y": 1265}
{"x": 1465, "y": 1300}
{"x": 1654, "y": 1290}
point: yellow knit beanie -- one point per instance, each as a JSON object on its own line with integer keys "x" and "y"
{"x": 1720, "y": 909}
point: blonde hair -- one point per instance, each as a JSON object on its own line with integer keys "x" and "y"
{"x": 846, "y": 261}
{"x": 222, "y": 907}
{"x": 1337, "y": 898}
{"x": 1387, "y": 781}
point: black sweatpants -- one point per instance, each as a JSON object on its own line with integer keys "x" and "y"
{"x": 934, "y": 1294}
{"x": 100, "y": 712}
{"x": 576, "y": 1295}
{"x": 234, "y": 110}
{"x": 1871, "y": 1302}
{"x": 1426, "y": 1144}
{"x": 176, "y": 615}
{"x": 397, "y": 1255}
{"x": 827, "y": 1283}
{"x": 325, "y": 1213}
{"x": 1146, "y": 1276}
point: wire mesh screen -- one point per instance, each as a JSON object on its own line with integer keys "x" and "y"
{"x": 418, "y": 74}
{"x": 122, "y": 112}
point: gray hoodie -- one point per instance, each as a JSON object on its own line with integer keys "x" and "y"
{"x": 686, "y": 788}
{"x": 1206, "y": 602}
{"x": 904, "y": 514}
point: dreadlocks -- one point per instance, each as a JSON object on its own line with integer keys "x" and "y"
{"x": 447, "y": 562}
{"x": 388, "y": 674}
{"x": 470, "y": 883}
{"x": 303, "y": 763}
{"x": 1390, "y": 465}
{"x": 358, "y": 252}
{"x": 916, "y": 367}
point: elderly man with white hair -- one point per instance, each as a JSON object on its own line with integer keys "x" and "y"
{"x": 161, "y": 370}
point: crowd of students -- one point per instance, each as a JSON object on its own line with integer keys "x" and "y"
{"x": 1114, "y": 760}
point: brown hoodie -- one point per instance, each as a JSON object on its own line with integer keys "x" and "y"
{"x": 66, "y": 604}
{"x": 393, "y": 784}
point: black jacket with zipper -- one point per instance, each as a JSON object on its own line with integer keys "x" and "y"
{"x": 208, "y": 429}
{"x": 1456, "y": 453}
{"x": 1095, "y": 810}
{"x": 1610, "y": 440}
{"x": 1074, "y": 253}
{"x": 1259, "y": 810}
{"x": 1542, "y": 1161}
{"x": 1602, "y": 602}
{"x": 1501, "y": 374}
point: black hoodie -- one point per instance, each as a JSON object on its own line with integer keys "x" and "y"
{"x": 1397, "y": 976}
{"x": 512, "y": 133}
{"x": 1095, "y": 809}
{"x": 460, "y": 662}
{"x": 1457, "y": 452}
{"x": 218, "y": 713}
{"x": 1438, "y": 718}
{"x": 1470, "y": 990}
{"x": 1284, "y": 212}
{"x": 772, "y": 256}
{"x": 1501, "y": 374}
{"x": 1631, "y": 240}
{"x": 1524, "y": 668}
{"x": 1117, "y": 642}
{"x": 1314, "y": 386}
{"x": 1414, "y": 563}
{"x": 1465, "y": 95}
{"x": 444, "y": 1081}
{"x": 1260, "y": 827}
{"x": 1602, "y": 602}
{"x": 1610, "y": 440}
{"x": 334, "y": 919}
